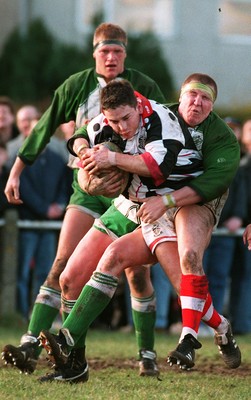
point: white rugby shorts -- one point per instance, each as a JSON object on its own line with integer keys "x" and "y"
{"x": 163, "y": 230}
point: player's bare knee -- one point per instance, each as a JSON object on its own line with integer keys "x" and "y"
{"x": 191, "y": 263}
{"x": 65, "y": 283}
{"x": 56, "y": 270}
{"x": 113, "y": 261}
{"x": 52, "y": 279}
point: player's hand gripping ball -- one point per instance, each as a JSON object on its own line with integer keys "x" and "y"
{"x": 109, "y": 183}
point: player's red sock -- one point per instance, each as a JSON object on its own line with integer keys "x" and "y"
{"x": 209, "y": 315}
{"x": 193, "y": 294}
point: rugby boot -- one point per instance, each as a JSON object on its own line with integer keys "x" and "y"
{"x": 147, "y": 363}
{"x": 76, "y": 369}
{"x": 184, "y": 354}
{"x": 228, "y": 348}
{"x": 24, "y": 357}
{"x": 57, "y": 346}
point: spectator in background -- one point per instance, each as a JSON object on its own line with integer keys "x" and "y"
{"x": 8, "y": 129}
{"x": 45, "y": 193}
{"x": 219, "y": 256}
{"x": 240, "y": 294}
{"x": 3, "y": 178}
{"x": 246, "y": 139}
{"x": 236, "y": 125}
{"x": 163, "y": 292}
{"x": 26, "y": 117}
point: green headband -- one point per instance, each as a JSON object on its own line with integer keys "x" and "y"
{"x": 109, "y": 42}
{"x": 197, "y": 85}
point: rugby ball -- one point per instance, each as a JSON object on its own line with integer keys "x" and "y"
{"x": 94, "y": 185}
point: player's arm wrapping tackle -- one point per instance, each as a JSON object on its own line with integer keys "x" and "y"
{"x": 109, "y": 183}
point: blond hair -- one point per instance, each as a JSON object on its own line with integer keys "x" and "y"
{"x": 108, "y": 31}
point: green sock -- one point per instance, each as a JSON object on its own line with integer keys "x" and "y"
{"x": 64, "y": 316}
{"x": 42, "y": 318}
{"x": 81, "y": 342}
{"x": 93, "y": 299}
{"x": 45, "y": 310}
{"x": 144, "y": 323}
{"x": 67, "y": 306}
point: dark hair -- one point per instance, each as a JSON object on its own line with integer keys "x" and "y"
{"x": 6, "y": 101}
{"x": 202, "y": 78}
{"x": 117, "y": 93}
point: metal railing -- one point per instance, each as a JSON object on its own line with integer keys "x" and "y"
{"x": 29, "y": 224}
{"x": 56, "y": 225}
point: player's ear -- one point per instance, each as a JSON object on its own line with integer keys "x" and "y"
{"x": 139, "y": 106}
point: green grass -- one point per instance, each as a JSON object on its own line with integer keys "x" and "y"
{"x": 114, "y": 373}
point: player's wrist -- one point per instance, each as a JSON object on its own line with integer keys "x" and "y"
{"x": 112, "y": 158}
{"x": 169, "y": 200}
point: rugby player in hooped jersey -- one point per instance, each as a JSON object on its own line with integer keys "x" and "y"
{"x": 209, "y": 141}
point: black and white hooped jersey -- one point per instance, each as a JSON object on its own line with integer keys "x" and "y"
{"x": 160, "y": 140}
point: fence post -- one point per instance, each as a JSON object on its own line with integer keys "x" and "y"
{"x": 8, "y": 271}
